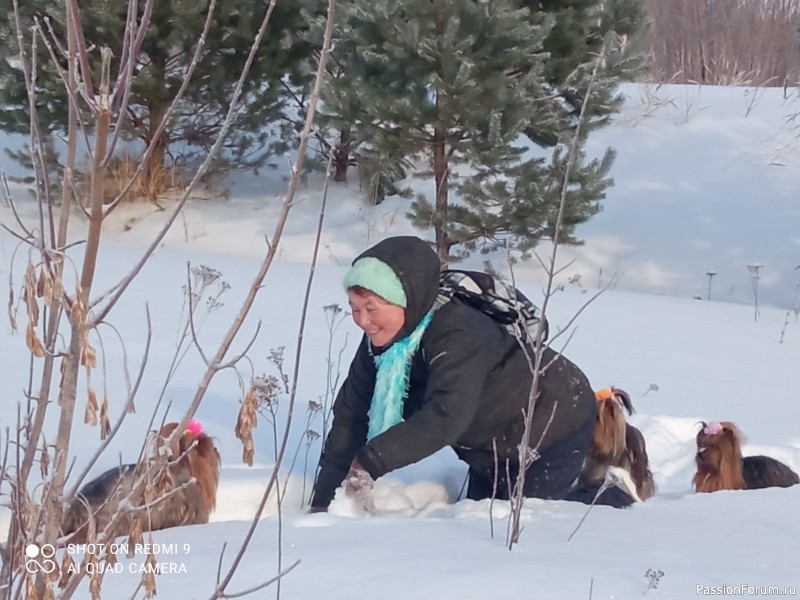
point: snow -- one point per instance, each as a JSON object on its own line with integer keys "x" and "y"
{"x": 706, "y": 179}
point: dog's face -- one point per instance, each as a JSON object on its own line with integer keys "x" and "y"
{"x": 717, "y": 440}
{"x": 609, "y": 430}
{"x": 178, "y": 450}
{"x": 195, "y": 456}
{"x": 718, "y": 433}
{"x": 609, "y": 415}
{"x": 719, "y": 457}
{"x": 616, "y": 395}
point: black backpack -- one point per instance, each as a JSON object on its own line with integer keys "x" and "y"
{"x": 501, "y": 301}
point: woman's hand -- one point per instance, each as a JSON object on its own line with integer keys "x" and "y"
{"x": 357, "y": 478}
{"x": 358, "y": 486}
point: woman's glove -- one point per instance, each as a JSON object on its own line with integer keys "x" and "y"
{"x": 358, "y": 486}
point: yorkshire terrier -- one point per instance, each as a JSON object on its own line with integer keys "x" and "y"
{"x": 720, "y": 465}
{"x": 184, "y": 495}
{"x": 617, "y": 443}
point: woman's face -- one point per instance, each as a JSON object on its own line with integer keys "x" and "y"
{"x": 380, "y": 320}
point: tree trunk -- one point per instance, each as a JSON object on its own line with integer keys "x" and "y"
{"x": 440, "y": 166}
{"x": 440, "y": 174}
{"x": 79, "y": 325}
{"x": 341, "y": 156}
{"x": 157, "y": 107}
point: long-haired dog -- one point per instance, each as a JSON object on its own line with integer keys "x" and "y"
{"x": 720, "y": 465}
{"x": 183, "y": 494}
{"x": 617, "y": 443}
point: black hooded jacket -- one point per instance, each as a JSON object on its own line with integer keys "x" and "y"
{"x": 468, "y": 386}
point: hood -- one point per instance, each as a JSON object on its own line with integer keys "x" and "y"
{"x": 417, "y": 266}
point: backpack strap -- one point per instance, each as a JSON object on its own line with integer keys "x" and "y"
{"x": 502, "y": 302}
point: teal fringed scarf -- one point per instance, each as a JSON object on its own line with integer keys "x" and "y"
{"x": 391, "y": 381}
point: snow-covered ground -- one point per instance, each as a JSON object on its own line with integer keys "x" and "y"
{"x": 706, "y": 180}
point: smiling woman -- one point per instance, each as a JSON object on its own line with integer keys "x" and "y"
{"x": 434, "y": 371}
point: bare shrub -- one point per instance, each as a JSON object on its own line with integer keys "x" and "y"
{"x": 65, "y": 309}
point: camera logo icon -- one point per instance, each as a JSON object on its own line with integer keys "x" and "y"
{"x": 46, "y": 552}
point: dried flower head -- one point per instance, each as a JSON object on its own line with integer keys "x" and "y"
{"x": 204, "y": 275}
{"x": 267, "y": 391}
{"x": 333, "y": 309}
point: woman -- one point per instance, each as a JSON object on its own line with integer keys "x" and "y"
{"x": 430, "y": 373}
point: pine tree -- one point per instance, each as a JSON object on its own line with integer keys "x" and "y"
{"x": 450, "y": 81}
{"x": 520, "y": 208}
{"x": 517, "y": 208}
{"x": 472, "y": 83}
{"x": 162, "y": 64}
{"x": 581, "y": 29}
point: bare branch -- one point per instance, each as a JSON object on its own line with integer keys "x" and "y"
{"x": 13, "y": 206}
{"x": 130, "y": 53}
{"x": 120, "y": 288}
{"x": 518, "y": 498}
{"x": 168, "y": 115}
{"x": 261, "y": 586}
{"x": 74, "y": 23}
{"x": 116, "y": 427}
{"x": 68, "y": 78}
{"x": 579, "y": 312}
{"x": 256, "y": 285}
{"x": 244, "y": 352}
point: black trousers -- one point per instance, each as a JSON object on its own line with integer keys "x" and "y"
{"x": 555, "y": 475}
